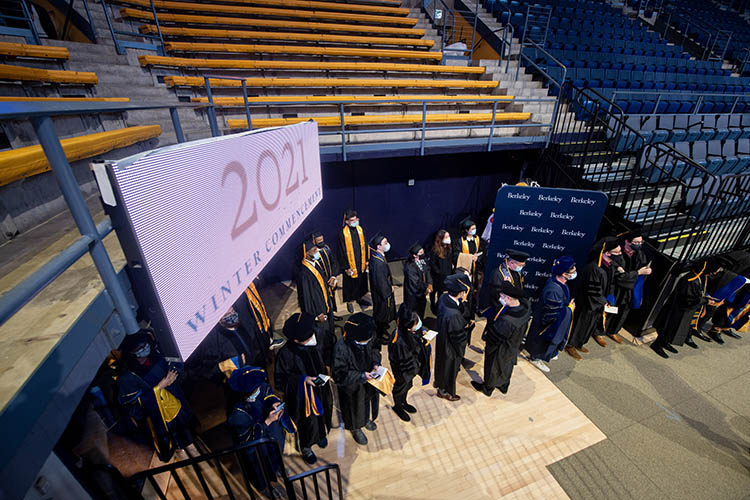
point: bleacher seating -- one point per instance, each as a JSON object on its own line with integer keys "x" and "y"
{"x": 23, "y": 74}
{"x": 22, "y": 50}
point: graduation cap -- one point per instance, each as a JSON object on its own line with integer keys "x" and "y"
{"x": 246, "y": 379}
{"x": 349, "y": 213}
{"x": 517, "y": 255}
{"x": 466, "y": 223}
{"x": 457, "y": 283}
{"x": 299, "y": 326}
{"x": 715, "y": 263}
{"x": 629, "y": 236}
{"x": 507, "y": 288}
{"x": 562, "y": 264}
{"x": 415, "y": 248}
{"x": 376, "y": 240}
{"x": 133, "y": 341}
{"x": 309, "y": 242}
{"x": 359, "y": 327}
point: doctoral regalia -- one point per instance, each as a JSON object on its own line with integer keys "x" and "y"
{"x": 503, "y": 343}
{"x": 328, "y": 267}
{"x": 312, "y": 294}
{"x": 725, "y": 289}
{"x": 678, "y": 313}
{"x": 450, "y": 344}
{"x": 381, "y": 287}
{"x": 352, "y": 253}
{"x": 594, "y": 286}
{"x": 553, "y": 319}
{"x": 623, "y": 286}
{"x": 358, "y": 399}
{"x": 489, "y": 299}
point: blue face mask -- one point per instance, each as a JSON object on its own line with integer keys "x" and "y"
{"x": 518, "y": 269}
{"x": 354, "y": 224}
{"x": 316, "y": 256}
{"x": 252, "y": 397}
{"x": 387, "y": 248}
{"x": 418, "y": 326}
{"x": 143, "y": 352}
{"x": 472, "y": 232}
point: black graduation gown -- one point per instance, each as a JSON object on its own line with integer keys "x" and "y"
{"x": 258, "y": 337}
{"x": 450, "y": 343}
{"x": 503, "y": 343}
{"x": 623, "y": 285}
{"x": 416, "y": 281}
{"x": 353, "y": 288}
{"x": 409, "y": 356}
{"x": 553, "y": 317}
{"x": 312, "y": 301}
{"x": 726, "y": 288}
{"x": 441, "y": 268}
{"x": 676, "y": 316}
{"x": 381, "y": 286}
{"x": 220, "y": 345}
{"x": 247, "y": 423}
{"x": 328, "y": 267}
{"x": 490, "y": 296}
{"x": 591, "y": 296}
{"x": 475, "y": 245}
{"x": 357, "y": 398}
{"x": 294, "y": 363}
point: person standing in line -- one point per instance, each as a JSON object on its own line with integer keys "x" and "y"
{"x": 451, "y": 339}
{"x": 352, "y": 255}
{"x": 441, "y": 265}
{"x": 381, "y": 286}
{"x": 328, "y": 266}
{"x": 417, "y": 280}
{"x": 255, "y": 320}
{"x": 409, "y": 355}
{"x": 469, "y": 243}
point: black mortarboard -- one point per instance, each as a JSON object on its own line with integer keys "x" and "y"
{"x": 715, "y": 263}
{"x": 134, "y": 340}
{"x": 457, "y": 283}
{"x": 359, "y": 327}
{"x": 246, "y": 379}
{"x": 608, "y": 243}
{"x": 517, "y": 255}
{"x": 415, "y": 248}
{"x": 375, "y": 240}
{"x": 467, "y": 223}
{"x": 349, "y": 213}
{"x": 308, "y": 243}
{"x": 299, "y": 326}
{"x": 511, "y": 290}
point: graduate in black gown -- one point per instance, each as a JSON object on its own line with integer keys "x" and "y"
{"x": 441, "y": 265}
{"x": 417, "y": 280}
{"x": 675, "y": 319}
{"x": 503, "y": 340}
{"x": 629, "y": 284}
{"x": 510, "y": 270}
{"x": 716, "y": 279}
{"x": 352, "y": 254}
{"x": 595, "y": 289}
{"x": 256, "y": 415}
{"x": 409, "y": 355}
{"x": 309, "y": 403}
{"x": 470, "y": 243}
{"x": 355, "y": 360}
{"x": 450, "y": 344}
{"x": 255, "y": 321}
{"x": 723, "y": 291}
{"x": 553, "y": 315}
{"x": 313, "y": 295}
{"x": 165, "y": 420}
{"x": 381, "y": 286}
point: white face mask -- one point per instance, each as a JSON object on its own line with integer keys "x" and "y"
{"x": 573, "y": 275}
{"x": 517, "y": 268}
{"x": 503, "y": 301}
{"x": 252, "y": 397}
{"x": 447, "y": 240}
{"x": 362, "y": 343}
{"x": 418, "y": 326}
{"x": 312, "y": 341}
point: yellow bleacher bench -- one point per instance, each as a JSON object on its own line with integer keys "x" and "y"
{"x": 312, "y": 4}
{"x": 193, "y": 19}
{"x": 184, "y": 62}
{"x": 301, "y": 49}
{"x": 167, "y": 31}
{"x": 33, "y": 51}
{"x": 196, "y": 81}
{"x": 16, "y": 73}
{"x": 268, "y": 12}
{"x": 335, "y": 121}
{"x": 16, "y": 164}
{"x": 239, "y": 101}
{"x": 65, "y": 99}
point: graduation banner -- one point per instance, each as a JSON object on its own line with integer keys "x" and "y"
{"x": 545, "y": 223}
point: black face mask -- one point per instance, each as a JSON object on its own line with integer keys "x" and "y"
{"x": 322, "y": 244}
{"x": 636, "y": 246}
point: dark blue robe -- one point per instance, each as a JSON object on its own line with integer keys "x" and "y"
{"x": 550, "y": 327}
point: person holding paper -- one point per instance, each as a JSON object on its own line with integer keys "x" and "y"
{"x": 451, "y": 340}
{"x": 417, "y": 280}
{"x": 258, "y": 414}
{"x": 409, "y": 355}
{"x": 503, "y": 339}
{"x": 508, "y": 270}
{"x": 594, "y": 297}
{"x": 352, "y": 255}
{"x": 355, "y": 362}
{"x": 441, "y": 265}
{"x": 381, "y": 284}
{"x": 302, "y": 376}
{"x": 553, "y": 315}
{"x": 313, "y": 294}
{"x": 629, "y": 283}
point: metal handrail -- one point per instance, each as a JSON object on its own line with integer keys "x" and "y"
{"x": 291, "y": 493}
{"x": 122, "y": 45}
{"x": 30, "y": 34}
{"x": 451, "y": 11}
{"x": 69, "y": 15}
{"x": 681, "y": 93}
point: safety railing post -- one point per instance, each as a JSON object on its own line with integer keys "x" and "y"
{"x": 91, "y": 19}
{"x": 79, "y": 210}
{"x": 176, "y": 124}
{"x": 68, "y": 15}
{"x": 247, "y": 105}
{"x": 424, "y": 122}
{"x": 161, "y": 51}
{"x": 32, "y": 26}
{"x": 343, "y": 131}
{"x": 211, "y": 109}
{"x": 118, "y": 48}
{"x": 492, "y": 127}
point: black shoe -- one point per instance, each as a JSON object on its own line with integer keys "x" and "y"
{"x": 401, "y": 413}
{"x": 716, "y": 337}
{"x": 658, "y": 350}
{"x": 670, "y": 348}
{"x": 732, "y": 334}
{"x": 363, "y": 304}
{"x": 476, "y": 349}
{"x": 350, "y": 307}
{"x": 336, "y": 318}
{"x": 701, "y": 336}
{"x": 308, "y": 456}
{"x": 370, "y": 425}
{"x": 323, "y": 442}
{"x": 481, "y": 388}
{"x": 359, "y": 436}
{"x": 467, "y": 363}
{"x": 409, "y": 408}
{"x": 692, "y": 344}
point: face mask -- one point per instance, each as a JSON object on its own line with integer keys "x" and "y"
{"x": 447, "y": 240}
{"x": 472, "y": 232}
{"x": 573, "y": 275}
{"x": 420, "y": 257}
{"x": 143, "y": 352}
{"x": 503, "y": 301}
{"x": 362, "y": 343}
{"x": 253, "y": 396}
{"x": 387, "y": 248}
{"x": 231, "y": 319}
{"x": 418, "y": 326}
{"x": 312, "y": 341}
{"x": 354, "y": 224}
{"x": 322, "y": 244}
{"x": 636, "y": 246}
{"x": 316, "y": 256}
{"x": 517, "y": 268}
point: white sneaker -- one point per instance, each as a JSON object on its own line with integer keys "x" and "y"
{"x": 555, "y": 358}
{"x": 540, "y": 364}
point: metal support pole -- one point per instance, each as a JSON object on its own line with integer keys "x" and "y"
{"x": 91, "y": 19}
{"x": 424, "y": 121}
{"x": 492, "y": 127}
{"x": 734, "y": 104}
{"x": 32, "y": 26}
{"x": 211, "y": 109}
{"x": 658, "y": 98}
{"x": 161, "y": 50}
{"x": 118, "y": 48}
{"x": 176, "y": 124}
{"x": 67, "y": 19}
{"x": 80, "y": 212}
{"x": 698, "y": 105}
{"x": 247, "y": 106}
{"x": 343, "y": 131}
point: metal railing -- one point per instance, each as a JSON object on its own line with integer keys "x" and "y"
{"x": 69, "y": 16}
{"x": 92, "y": 236}
{"x": 121, "y": 45}
{"x": 447, "y": 21}
{"x": 16, "y": 20}
{"x": 657, "y": 96}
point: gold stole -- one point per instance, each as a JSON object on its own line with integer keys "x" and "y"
{"x": 350, "y": 250}
{"x": 317, "y": 275}
{"x": 257, "y": 307}
{"x": 465, "y": 249}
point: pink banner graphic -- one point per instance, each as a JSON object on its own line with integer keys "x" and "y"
{"x": 209, "y": 216}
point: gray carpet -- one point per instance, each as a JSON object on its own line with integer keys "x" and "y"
{"x": 676, "y": 428}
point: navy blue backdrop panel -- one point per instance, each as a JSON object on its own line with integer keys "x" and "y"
{"x": 545, "y": 223}
{"x": 446, "y": 189}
